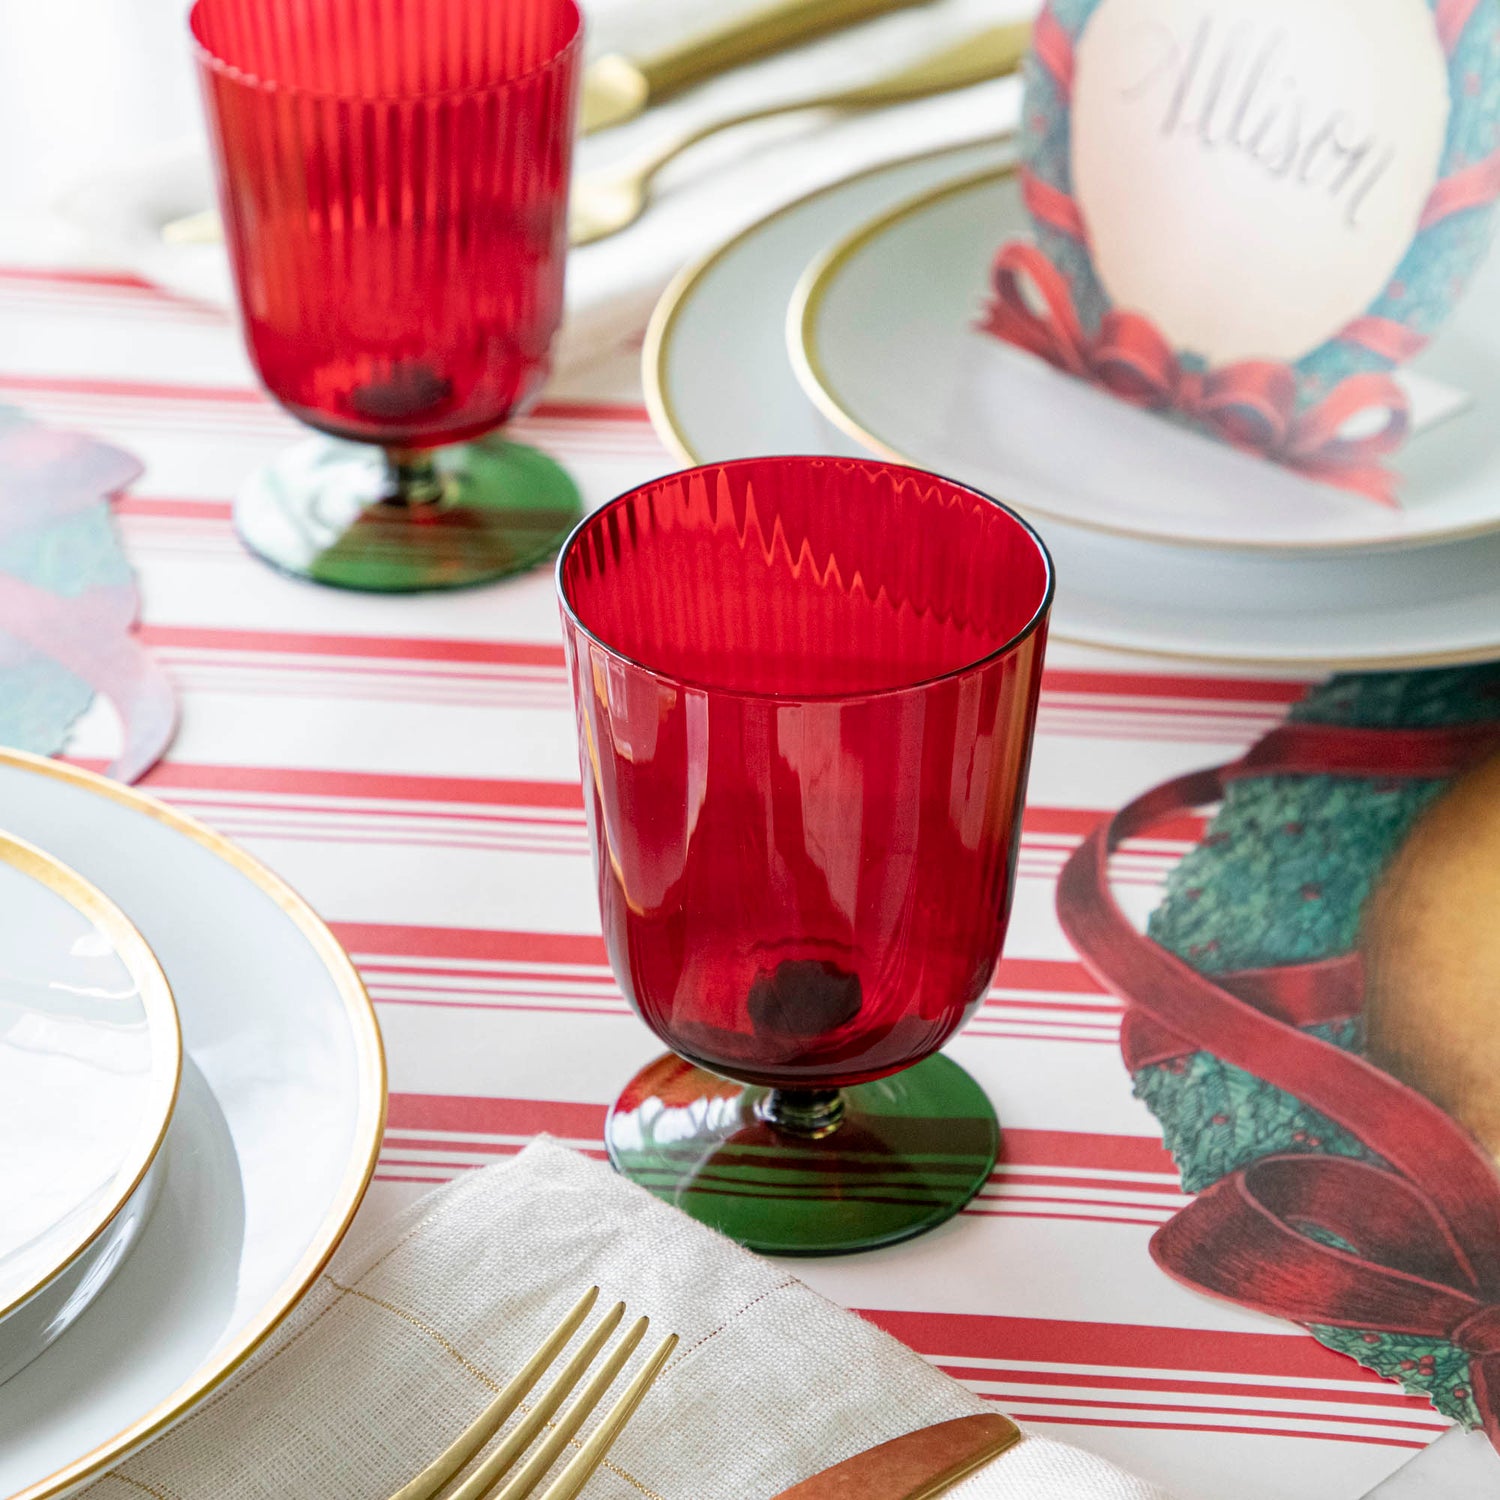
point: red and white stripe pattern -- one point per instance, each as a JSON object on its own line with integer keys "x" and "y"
{"x": 1044, "y": 1174}
{"x": 531, "y": 817}
{"x": 410, "y": 765}
{"x": 1163, "y": 1378}
{"x": 568, "y": 974}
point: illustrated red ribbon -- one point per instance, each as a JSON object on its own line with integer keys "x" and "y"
{"x": 1423, "y": 1230}
{"x": 1246, "y": 1238}
{"x": 1251, "y": 404}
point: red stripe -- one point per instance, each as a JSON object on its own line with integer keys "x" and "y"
{"x": 951, "y": 1336}
{"x": 1079, "y": 822}
{"x": 79, "y": 278}
{"x": 93, "y": 385}
{"x": 1075, "y": 1148}
{"x": 1053, "y": 48}
{"x": 1452, "y": 16}
{"x": 1384, "y": 336}
{"x": 1051, "y": 205}
{"x": 591, "y": 411}
{"x": 376, "y": 785}
{"x": 204, "y": 510}
{"x": 1473, "y": 187}
{"x": 1054, "y": 975}
{"x": 479, "y": 1116}
{"x": 495, "y": 653}
{"x": 472, "y": 943}
{"x": 248, "y": 396}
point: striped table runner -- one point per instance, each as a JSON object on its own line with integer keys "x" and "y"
{"x": 410, "y": 766}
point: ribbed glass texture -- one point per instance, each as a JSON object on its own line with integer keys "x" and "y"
{"x": 806, "y": 690}
{"x": 393, "y": 180}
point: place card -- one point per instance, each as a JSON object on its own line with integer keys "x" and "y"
{"x": 1248, "y": 213}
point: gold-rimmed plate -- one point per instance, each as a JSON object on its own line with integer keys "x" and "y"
{"x": 883, "y": 335}
{"x": 720, "y": 385}
{"x": 90, "y": 1056}
{"x": 271, "y": 1146}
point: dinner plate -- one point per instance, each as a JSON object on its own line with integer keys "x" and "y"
{"x": 720, "y": 384}
{"x": 270, "y": 1148}
{"x": 90, "y": 1054}
{"x": 885, "y": 339}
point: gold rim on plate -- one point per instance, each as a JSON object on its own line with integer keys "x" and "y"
{"x": 656, "y": 352}
{"x": 369, "y": 1124}
{"x": 656, "y": 356}
{"x": 816, "y": 283}
{"x": 161, "y": 1022}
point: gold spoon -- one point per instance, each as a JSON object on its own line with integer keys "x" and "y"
{"x": 610, "y": 199}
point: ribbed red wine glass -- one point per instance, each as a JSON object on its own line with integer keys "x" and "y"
{"x": 805, "y": 692}
{"x": 393, "y": 185}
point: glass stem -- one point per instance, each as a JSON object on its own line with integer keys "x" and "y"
{"x": 811, "y": 1113}
{"x": 414, "y": 477}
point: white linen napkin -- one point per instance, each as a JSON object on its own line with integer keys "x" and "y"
{"x": 413, "y": 1328}
{"x": 730, "y": 182}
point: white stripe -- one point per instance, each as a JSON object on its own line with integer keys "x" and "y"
{"x": 1153, "y": 1372}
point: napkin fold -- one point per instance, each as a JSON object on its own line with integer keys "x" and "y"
{"x": 726, "y": 185}
{"x": 414, "y": 1326}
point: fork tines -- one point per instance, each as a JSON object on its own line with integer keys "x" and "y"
{"x": 516, "y": 1446}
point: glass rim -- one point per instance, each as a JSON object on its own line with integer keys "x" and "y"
{"x": 1032, "y": 625}
{"x": 212, "y": 62}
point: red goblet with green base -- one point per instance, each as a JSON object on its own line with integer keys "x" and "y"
{"x": 806, "y": 690}
{"x": 393, "y": 184}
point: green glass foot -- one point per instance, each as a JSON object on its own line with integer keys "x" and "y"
{"x": 868, "y": 1166}
{"x": 329, "y": 511}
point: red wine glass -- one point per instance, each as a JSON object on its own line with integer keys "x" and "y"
{"x": 805, "y": 691}
{"x": 393, "y": 185}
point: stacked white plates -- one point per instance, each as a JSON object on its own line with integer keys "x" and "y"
{"x": 90, "y": 1056}
{"x": 170, "y": 1182}
{"x": 846, "y": 323}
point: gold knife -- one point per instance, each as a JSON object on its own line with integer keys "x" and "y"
{"x": 918, "y": 1466}
{"x": 617, "y": 88}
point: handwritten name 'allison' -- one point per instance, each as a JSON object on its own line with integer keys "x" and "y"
{"x": 1229, "y": 88}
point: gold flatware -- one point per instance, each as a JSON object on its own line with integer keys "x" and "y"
{"x": 202, "y": 228}
{"x": 612, "y": 198}
{"x": 521, "y": 1444}
{"x": 918, "y": 1466}
{"x": 617, "y": 88}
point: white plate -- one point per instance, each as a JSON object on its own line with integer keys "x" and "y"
{"x": 885, "y": 342}
{"x": 720, "y": 384}
{"x": 90, "y": 1053}
{"x": 272, "y": 1144}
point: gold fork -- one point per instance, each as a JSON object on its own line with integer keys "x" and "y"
{"x": 495, "y": 1466}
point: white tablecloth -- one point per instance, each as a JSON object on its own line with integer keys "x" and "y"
{"x": 409, "y": 765}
